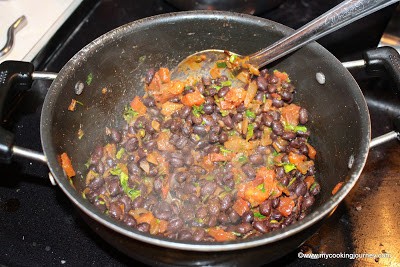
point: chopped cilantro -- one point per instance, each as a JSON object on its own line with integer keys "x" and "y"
{"x": 120, "y": 153}
{"x": 221, "y": 65}
{"x": 289, "y": 167}
{"x": 227, "y": 188}
{"x": 224, "y": 151}
{"x": 242, "y": 158}
{"x": 224, "y": 113}
{"x": 79, "y": 102}
{"x": 197, "y": 110}
{"x": 236, "y": 234}
{"x": 142, "y": 59}
{"x": 89, "y": 79}
{"x": 292, "y": 181}
{"x": 313, "y": 186}
{"x": 298, "y": 128}
{"x": 209, "y": 178}
{"x": 250, "y": 114}
{"x": 226, "y": 83}
{"x": 129, "y": 114}
{"x": 250, "y": 131}
{"x": 259, "y": 215}
{"x": 261, "y": 187}
{"x": 232, "y": 58}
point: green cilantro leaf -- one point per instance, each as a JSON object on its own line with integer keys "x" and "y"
{"x": 89, "y": 79}
{"x": 250, "y": 114}
{"x": 289, "y": 167}
{"x": 221, "y": 65}
{"x": 129, "y": 114}
{"x": 259, "y": 215}
{"x": 197, "y": 110}
{"x": 261, "y": 187}
{"x": 250, "y": 131}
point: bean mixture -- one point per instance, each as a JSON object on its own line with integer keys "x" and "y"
{"x": 202, "y": 160}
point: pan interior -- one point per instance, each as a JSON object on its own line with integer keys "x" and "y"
{"x": 112, "y": 69}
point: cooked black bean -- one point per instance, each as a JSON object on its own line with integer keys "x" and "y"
{"x": 223, "y": 91}
{"x": 261, "y": 226}
{"x": 208, "y": 188}
{"x": 115, "y": 211}
{"x": 301, "y": 189}
{"x": 272, "y": 88}
{"x": 129, "y": 221}
{"x": 208, "y": 109}
{"x": 277, "y": 128}
{"x": 244, "y": 228}
{"x": 249, "y": 171}
{"x": 223, "y": 218}
{"x": 213, "y": 137}
{"x": 248, "y": 217}
{"x": 149, "y": 101}
{"x": 262, "y": 83}
{"x": 272, "y": 79}
{"x": 266, "y": 207}
{"x": 276, "y": 215}
{"x": 287, "y": 96}
{"x": 114, "y": 187}
{"x": 214, "y": 207}
{"x": 200, "y": 130}
{"x": 132, "y": 144}
{"x": 228, "y": 121}
{"x": 303, "y": 116}
{"x": 176, "y": 162}
{"x": 234, "y": 217}
{"x": 289, "y": 135}
{"x": 278, "y": 103}
{"x": 315, "y": 189}
{"x": 143, "y": 227}
{"x": 149, "y": 75}
{"x": 308, "y": 202}
{"x": 275, "y": 202}
{"x": 199, "y": 234}
{"x": 256, "y": 159}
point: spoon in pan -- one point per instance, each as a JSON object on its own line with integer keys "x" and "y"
{"x": 199, "y": 64}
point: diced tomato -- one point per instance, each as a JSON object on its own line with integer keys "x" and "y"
{"x": 283, "y": 76}
{"x": 163, "y": 143}
{"x": 336, "y": 188}
{"x": 169, "y": 107}
{"x": 110, "y": 150}
{"x": 286, "y": 205}
{"x": 155, "y": 84}
{"x": 219, "y": 157}
{"x": 309, "y": 180}
{"x": 241, "y": 206}
{"x": 215, "y": 73}
{"x": 146, "y": 217}
{"x": 176, "y": 87}
{"x": 235, "y": 96}
{"x": 72, "y": 105}
{"x": 290, "y": 114}
{"x": 221, "y": 235}
{"x": 164, "y": 75}
{"x": 296, "y": 158}
{"x": 138, "y": 106}
{"x": 304, "y": 166}
{"x": 311, "y": 151}
{"x": 67, "y": 165}
{"x": 193, "y": 99}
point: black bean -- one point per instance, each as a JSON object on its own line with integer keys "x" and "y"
{"x": 280, "y": 172}
{"x": 275, "y": 202}
{"x": 167, "y": 124}
{"x": 149, "y": 101}
{"x": 285, "y": 180}
{"x": 175, "y": 224}
{"x": 303, "y": 116}
{"x": 287, "y": 96}
{"x": 214, "y": 207}
{"x": 129, "y": 221}
{"x": 266, "y": 207}
{"x": 272, "y": 79}
{"x": 276, "y": 215}
{"x": 249, "y": 171}
{"x": 176, "y": 125}
{"x": 196, "y": 119}
{"x": 181, "y": 142}
{"x": 277, "y": 128}
{"x": 212, "y": 221}
{"x": 262, "y": 83}
{"x": 143, "y": 227}
{"x": 303, "y": 149}
{"x": 223, "y": 91}
{"x": 213, "y": 137}
{"x": 162, "y": 210}
{"x": 272, "y": 88}
{"x": 114, "y": 187}
{"x": 241, "y": 108}
{"x": 200, "y": 87}
{"x": 308, "y": 202}
{"x": 234, "y": 217}
{"x": 185, "y": 112}
{"x": 223, "y": 218}
{"x": 138, "y": 203}
{"x": 261, "y": 226}
{"x": 206, "y": 81}
{"x": 276, "y": 116}
{"x": 208, "y": 188}
{"x": 96, "y": 183}
{"x": 176, "y": 162}
{"x": 199, "y": 130}
{"x": 226, "y": 202}
{"x": 223, "y": 137}
{"x": 228, "y": 121}
{"x": 198, "y": 234}
{"x": 115, "y": 211}
{"x": 244, "y": 228}
{"x": 256, "y": 159}
{"x": 208, "y": 109}
{"x": 305, "y": 134}
{"x": 301, "y": 189}
{"x": 149, "y": 76}
{"x": 248, "y": 217}
{"x": 278, "y": 103}
{"x": 132, "y": 144}
{"x": 288, "y": 135}
{"x": 315, "y": 189}
{"x": 187, "y": 129}
{"x": 212, "y": 91}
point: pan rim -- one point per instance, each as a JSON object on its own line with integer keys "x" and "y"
{"x": 46, "y": 121}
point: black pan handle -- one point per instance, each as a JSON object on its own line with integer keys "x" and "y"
{"x": 12, "y": 74}
{"x": 384, "y": 60}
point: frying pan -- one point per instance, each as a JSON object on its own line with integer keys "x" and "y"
{"x": 118, "y": 61}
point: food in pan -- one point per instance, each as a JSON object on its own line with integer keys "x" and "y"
{"x": 201, "y": 160}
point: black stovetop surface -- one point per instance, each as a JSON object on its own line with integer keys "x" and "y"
{"x": 39, "y": 226}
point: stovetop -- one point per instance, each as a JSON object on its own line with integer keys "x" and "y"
{"x": 39, "y": 226}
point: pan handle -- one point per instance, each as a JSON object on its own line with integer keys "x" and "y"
{"x": 16, "y": 74}
{"x": 378, "y": 61}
